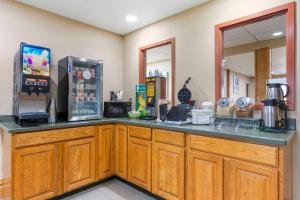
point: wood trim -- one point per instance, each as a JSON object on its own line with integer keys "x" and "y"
{"x": 169, "y": 137}
{"x": 255, "y": 153}
{"x": 278, "y": 76}
{"x": 5, "y": 188}
{"x": 142, "y": 61}
{"x": 51, "y": 136}
{"x": 285, "y": 179}
{"x": 289, "y": 10}
{"x": 140, "y": 132}
{"x": 1, "y": 189}
{"x": 228, "y": 82}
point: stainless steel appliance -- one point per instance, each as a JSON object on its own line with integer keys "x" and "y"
{"x": 271, "y": 114}
{"x": 80, "y": 89}
{"x": 275, "y": 108}
{"x": 31, "y": 83}
{"x": 114, "y": 109}
{"x": 275, "y": 91}
{"x": 155, "y": 90}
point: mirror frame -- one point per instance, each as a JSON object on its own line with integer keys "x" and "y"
{"x": 287, "y": 9}
{"x": 142, "y": 62}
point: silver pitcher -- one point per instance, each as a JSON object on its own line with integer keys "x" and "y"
{"x": 271, "y": 114}
{"x": 274, "y": 91}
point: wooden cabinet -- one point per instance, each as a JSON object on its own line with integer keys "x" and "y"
{"x": 248, "y": 181}
{"x": 139, "y": 160}
{"x": 36, "y": 172}
{"x": 172, "y": 165}
{"x": 205, "y": 176}
{"x": 248, "y": 171}
{"x": 105, "y": 151}
{"x": 168, "y": 171}
{"x": 121, "y": 151}
{"x": 78, "y": 163}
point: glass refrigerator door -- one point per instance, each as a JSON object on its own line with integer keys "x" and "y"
{"x": 86, "y": 92}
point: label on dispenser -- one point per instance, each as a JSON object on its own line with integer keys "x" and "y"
{"x": 87, "y": 75}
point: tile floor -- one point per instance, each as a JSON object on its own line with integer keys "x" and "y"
{"x": 112, "y": 190}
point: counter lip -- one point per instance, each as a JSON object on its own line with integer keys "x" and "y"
{"x": 254, "y": 136}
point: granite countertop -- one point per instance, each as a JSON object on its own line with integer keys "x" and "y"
{"x": 246, "y": 135}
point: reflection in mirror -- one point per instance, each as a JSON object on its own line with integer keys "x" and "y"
{"x": 254, "y": 54}
{"x": 159, "y": 63}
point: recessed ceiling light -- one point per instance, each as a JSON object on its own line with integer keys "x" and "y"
{"x": 277, "y": 33}
{"x": 131, "y": 18}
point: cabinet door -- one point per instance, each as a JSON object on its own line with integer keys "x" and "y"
{"x": 247, "y": 181}
{"x": 36, "y": 172}
{"x": 121, "y": 151}
{"x": 168, "y": 171}
{"x": 205, "y": 176}
{"x": 106, "y": 151}
{"x": 79, "y": 163}
{"x": 139, "y": 162}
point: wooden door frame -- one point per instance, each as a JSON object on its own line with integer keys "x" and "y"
{"x": 289, "y": 10}
{"x": 142, "y": 61}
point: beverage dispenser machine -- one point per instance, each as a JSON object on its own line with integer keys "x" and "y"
{"x": 31, "y": 83}
{"x": 80, "y": 89}
{"x": 156, "y": 89}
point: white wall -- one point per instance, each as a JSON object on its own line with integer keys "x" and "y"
{"x": 243, "y": 81}
{"x": 278, "y": 61}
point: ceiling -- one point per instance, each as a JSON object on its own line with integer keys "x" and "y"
{"x": 256, "y": 32}
{"x": 110, "y": 15}
{"x": 241, "y": 63}
{"x": 158, "y": 54}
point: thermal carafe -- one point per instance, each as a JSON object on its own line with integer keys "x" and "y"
{"x": 271, "y": 114}
{"x": 274, "y": 91}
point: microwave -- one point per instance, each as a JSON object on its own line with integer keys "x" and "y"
{"x": 115, "y": 109}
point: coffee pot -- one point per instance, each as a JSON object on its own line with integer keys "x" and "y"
{"x": 274, "y": 115}
{"x": 274, "y": 91}
{"x": 271, "y": 114}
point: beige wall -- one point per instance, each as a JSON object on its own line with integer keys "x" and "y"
{"x": 193, "y": 30}
{"x": 20, "y": 23}
{"x": 194, "y": 34}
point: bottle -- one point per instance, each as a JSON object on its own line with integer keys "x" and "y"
{"x": 52, "y": 111}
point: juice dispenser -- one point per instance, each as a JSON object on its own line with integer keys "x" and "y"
{"x": 31, "y": 83}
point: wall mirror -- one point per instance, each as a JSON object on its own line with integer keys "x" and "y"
{"x": 255, "y": 49}
{"x": 158, "y": 59}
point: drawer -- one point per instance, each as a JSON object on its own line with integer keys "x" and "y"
{"x": 169, "y": 137}
{"x": 140, "y": 132}
{"x": 44, "y": 137}
{"x": 245, "y": 151}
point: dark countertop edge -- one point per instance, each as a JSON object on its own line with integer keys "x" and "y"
{"x": 242, "y": 138}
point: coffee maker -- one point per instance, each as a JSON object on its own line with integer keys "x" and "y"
{"x": 275, "y": 108}
{"x": 31, "y": 84}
